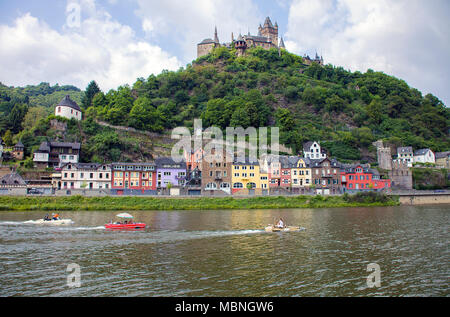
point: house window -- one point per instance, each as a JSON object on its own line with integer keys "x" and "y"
{"x": 238, "y": 185}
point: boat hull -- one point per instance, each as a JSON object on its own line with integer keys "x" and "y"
{"x": 125, "y": 226}
{"x": 60, "y": 222}
{"x": 285, "y": 229}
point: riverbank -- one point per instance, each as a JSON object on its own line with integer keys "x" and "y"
{"x": 46, "y": 203}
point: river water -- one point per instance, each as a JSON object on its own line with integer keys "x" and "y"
{"x": 227, "y": 253}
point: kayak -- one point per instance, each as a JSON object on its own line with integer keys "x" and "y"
{"x": 50, "y": 222}
{"x": 272, "y": 228}
{"x": 125, "y": 225}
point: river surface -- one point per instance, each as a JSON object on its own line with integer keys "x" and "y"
{"x": 227, "y": 253}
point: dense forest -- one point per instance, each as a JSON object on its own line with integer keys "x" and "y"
{"x": 346, "y": 111}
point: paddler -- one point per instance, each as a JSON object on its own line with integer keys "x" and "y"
{"x": 56, "y": 217}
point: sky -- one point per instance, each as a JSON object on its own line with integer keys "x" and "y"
{"x": 114, "y": 42}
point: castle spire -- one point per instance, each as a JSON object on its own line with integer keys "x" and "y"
{"x": 282, "y": 43}
{"x": 216, "y": 38}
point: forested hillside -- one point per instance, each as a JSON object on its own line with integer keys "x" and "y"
{"x": 344, "y": 110}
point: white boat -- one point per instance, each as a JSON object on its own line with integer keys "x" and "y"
{"x": 272, "y": 228}
{"x": 52, "y": 222}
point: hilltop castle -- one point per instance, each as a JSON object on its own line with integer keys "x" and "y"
{"x": 267, "y": 38}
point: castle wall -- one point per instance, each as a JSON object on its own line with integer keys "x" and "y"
{"x": 204, "y": 49}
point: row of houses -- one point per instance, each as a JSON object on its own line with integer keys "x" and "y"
{"x": 408, "y": 156}
{"x": 221, "y": 175}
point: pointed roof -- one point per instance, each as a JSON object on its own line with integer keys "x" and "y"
{"x": 216, "y": 38}
{"x": 19, "y": 145}
{"x": 67, "y": 102}
{"x": 268, "y": 23}
{"x": 282, "y": 43}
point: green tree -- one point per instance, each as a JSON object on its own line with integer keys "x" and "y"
{"x": 91, "y": 90}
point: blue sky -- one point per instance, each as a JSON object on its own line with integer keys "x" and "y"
{"x": 118, "y": 41}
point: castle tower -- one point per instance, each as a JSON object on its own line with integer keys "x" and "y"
{"x": 270, "y": 31}
{"x": 240, "y": 45}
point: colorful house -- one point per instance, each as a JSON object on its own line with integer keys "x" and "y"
{"x": 170, "y": 172}
{"x": 245, "y": 175}
{"x": 326, "y": 176}
{"x": 301, "y": 176}
{"x": 133, "y": 178}
{"x": 362, "y": 178}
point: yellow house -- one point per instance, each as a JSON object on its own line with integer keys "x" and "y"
{"x": 301, "y": 176}
{"x": 245, "y": 175}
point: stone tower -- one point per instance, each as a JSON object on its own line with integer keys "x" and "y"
{"x": 270, "y": 31}
{"x": 401, "y": 175}
{"x": 383, "y": 156}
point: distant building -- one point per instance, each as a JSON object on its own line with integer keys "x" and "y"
{"x": 362, "y": 178}
{"x": 326, "y": 176}
{"x": 400, "y": 175}
{"x": 133, "y": 178}
{"x": 312, "y": 150}
{"x": 18, "y": 151}
{"x": 443, "y": 159}
{"x": 68, "y": 108}
{"x": 55, "y": 154}
{"x": 267, "y": 38}
{"x": 216, "y": 173}
{"x": 309, "y": 61}
{"x": 84, "y": 176}
{"x": 301, "y": 175}
{"x": 170, "y": 172}
{"x": 424, "y": 156}
{"x": 245, "y": 176}
{"x": 405, "y": 155}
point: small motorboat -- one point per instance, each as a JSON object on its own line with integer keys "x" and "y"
{"x": 125, "y": 224}
{"x": 272, "y": 228}
{"x": 51, "y": 222}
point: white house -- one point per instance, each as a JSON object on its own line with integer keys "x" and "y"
{"x": 405, "y": 155}
{"x": 85, "y": 176}
{"x": 312, "y": 150}
{"x": 68, "y": 108}
{"x": 424, "y": 156}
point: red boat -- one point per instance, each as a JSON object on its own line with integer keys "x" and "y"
{"x": 127, "y": 224}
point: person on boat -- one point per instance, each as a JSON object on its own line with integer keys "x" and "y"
{"x": 56, "y": 217}
{"x": 280, "y": 223}
{"x": 46, "y": 218}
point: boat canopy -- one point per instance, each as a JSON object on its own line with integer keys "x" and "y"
{"x": 124, "y": 215}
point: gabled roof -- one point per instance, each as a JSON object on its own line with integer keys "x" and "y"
{"x": 46, "y": 146}
{"x": 421, "y": 151}
{"x": 405, "y": 149}
{"x": 67, "y": 102}
{"x": 207, "y": 41}
{"x": 439, "y": 155}
{"x": 12, "y": 179}
{"x": 169, "y": 163}
{"x": 19, "y": 145}
{"x": 307, "y": 145}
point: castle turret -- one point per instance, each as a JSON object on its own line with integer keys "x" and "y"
{"x": 240, "y": 45}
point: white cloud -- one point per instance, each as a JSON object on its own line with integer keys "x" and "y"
{"x": 101, "y": 49}
{"x": 185, "y": 23}
{"x": 406, "y": 38}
